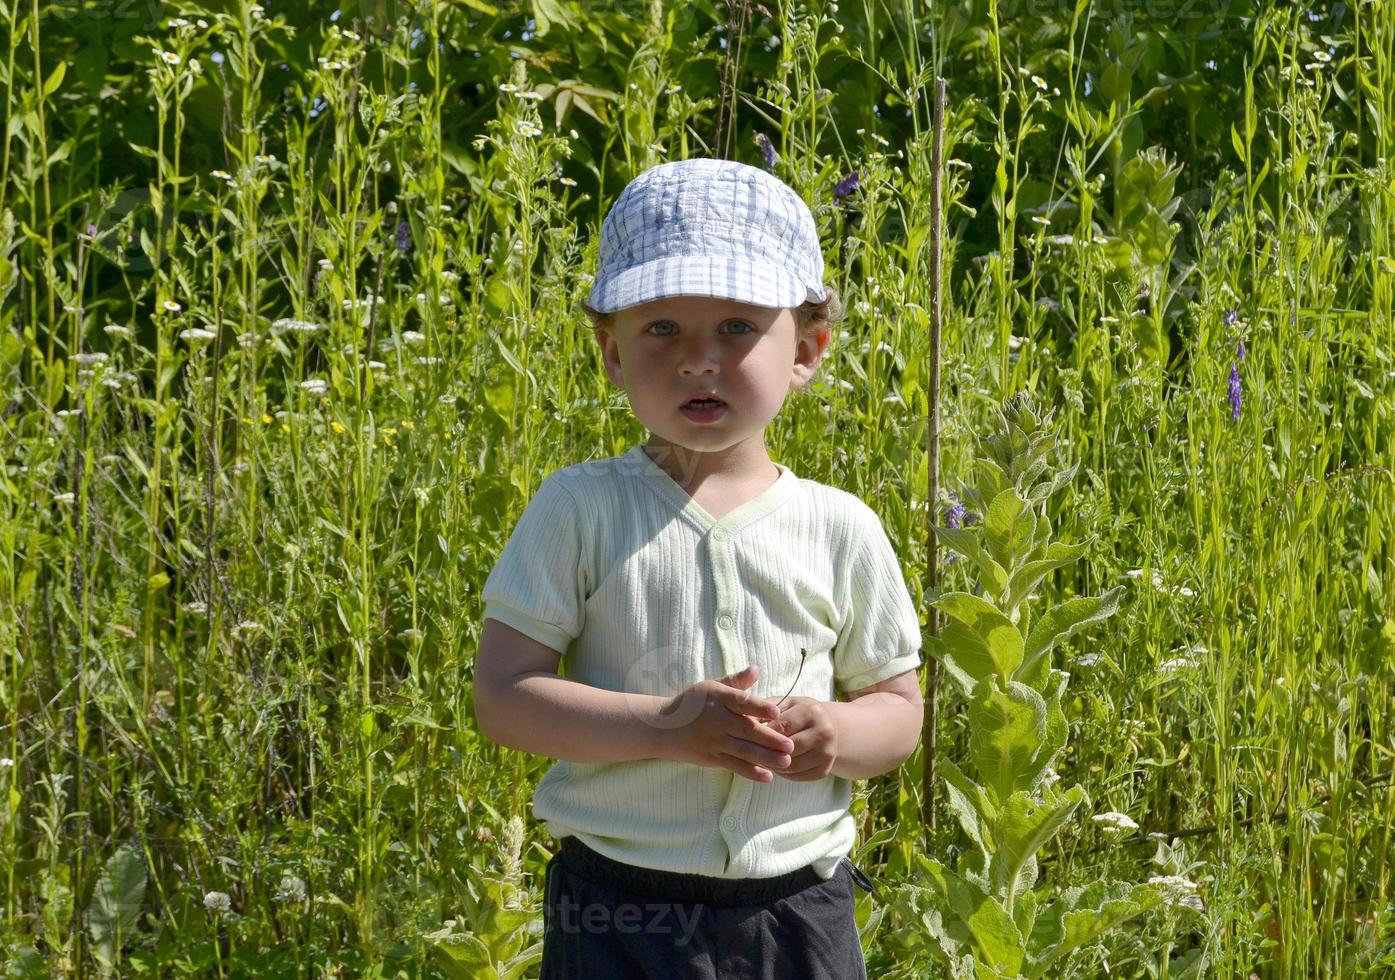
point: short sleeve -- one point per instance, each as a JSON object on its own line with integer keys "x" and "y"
{"x": 539, "y": 583}
{"x": 880, "y": 634}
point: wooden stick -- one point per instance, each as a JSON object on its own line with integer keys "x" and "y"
{"x": 937, "y": 166}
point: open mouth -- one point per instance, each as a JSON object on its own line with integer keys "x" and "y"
{"x": 701, "y": 403}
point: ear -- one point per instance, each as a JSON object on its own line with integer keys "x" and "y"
{"x": 610, "y": 355}
{"x": 807, "y": 355}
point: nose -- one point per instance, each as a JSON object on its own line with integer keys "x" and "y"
{"x": 699, "y": 357}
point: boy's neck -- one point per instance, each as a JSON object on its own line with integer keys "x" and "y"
{"x": 691, "y": 468}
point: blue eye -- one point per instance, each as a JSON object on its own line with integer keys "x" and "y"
{"x": 670, "y": 323}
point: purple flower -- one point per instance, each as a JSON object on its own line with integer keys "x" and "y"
{"x": 404, "y": 238}
{"x": 1231, "y": 315}
{"x": 954, "y": 515}
{"x": 1240, "y": 351}
{"x": 971, "y": 518}
{"x": 1235, "y": 399}
{"x": 767, "y": 149}
{"x": 845, "y": 186}
{"x": 91, "y": 231}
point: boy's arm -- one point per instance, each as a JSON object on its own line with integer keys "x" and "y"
{"x": 520, "y": 702}
{"x": 878, "y": 727}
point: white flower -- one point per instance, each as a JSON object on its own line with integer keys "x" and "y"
{"x": 1322, "y": 56}
{"x": 658, "y": 148}
{"x": 1039, "y": 82}
{"x": 178, "y": 22}
{"x": 526, "y": 127}
{"x": 256, "y": 10}
{"x": 377, "y": 366}
{"x": 566, "y": 181}
{"x": 1176, "y": 665}
{"x": 64, "y": 498}
{"x": 196, "y": 333}
{"x": 508, "y": 87}
{"x": 217, "y": 901}
{"x": 116, "y": 330}
{"x": 265, "y": 158}
{"x": 1183, "y": 591}
{"x": 64, "y": 413}
{"x": 96, "y": 357}
{"x": 248, "y": 626}
{"x": 412, "y": 336}
{"x": 1088, "y": 659}
{"x": 450, "y": 276}
{"x": 350, "y": 35}
{"x": 316, "y": 386}
{"x": 1136, "y": 572}
{"x": 291, "y": 889}
{"x": 1114, "y": 824}
{"x": 326, "y": 265}
{"x": 296, "y": 326}
{"x": 171, "y": 306}
{"x": 1041, "y": 219}
{"x": 168, "y": 57}
{"x": 6, "y": 763}
{"x": 220, "y": 174}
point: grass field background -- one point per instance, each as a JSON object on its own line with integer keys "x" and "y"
{"x": 290, "y": 336}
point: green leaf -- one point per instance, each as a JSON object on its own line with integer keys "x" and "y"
{"x": 1027, "y": 577}
{"x": 55, "y": 79}
{"x": 1066, "y": 620}
{"x": 1006, "y": 730}
{"x": 965, "y": 541}
{"x": 995, "y": 936}
{"x": 1008, "y": 527}
{"x": 116, "y": 902}
{"x": 971, "y": 805}
{"x": 1081, "y": 915}
{"x": 992, "y": 634}
{"x": 1024, "y": 827}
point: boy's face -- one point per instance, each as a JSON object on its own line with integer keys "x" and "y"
{"x": 667, "y": 351}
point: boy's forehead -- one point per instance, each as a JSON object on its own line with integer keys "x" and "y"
{"x": 698, "y": 306}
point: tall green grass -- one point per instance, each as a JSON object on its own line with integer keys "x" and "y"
{"x": 239, "y": 574}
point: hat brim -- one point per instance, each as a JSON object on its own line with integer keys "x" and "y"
{"x": 718, "y": 276}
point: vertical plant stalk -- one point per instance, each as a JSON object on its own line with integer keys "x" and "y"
{"x": 932, "y": 448}
{"x": 738, "y": 14}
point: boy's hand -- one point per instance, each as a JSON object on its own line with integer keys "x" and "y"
{"x": 728, "y": 728}
{"x": 815, "y": 739}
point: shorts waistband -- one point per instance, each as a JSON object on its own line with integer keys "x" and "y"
{"x": 672, "y": 886}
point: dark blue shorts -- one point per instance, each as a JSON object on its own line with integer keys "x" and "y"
{"x": 605, "y": 920}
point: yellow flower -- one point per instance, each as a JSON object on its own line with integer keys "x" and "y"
{"x": 266, "y": 419}
{"x": 337, "y": 426}
{"x": 249, "y": 421}
{"x": 408, "y": 424}
{"x": 285, "y": 427}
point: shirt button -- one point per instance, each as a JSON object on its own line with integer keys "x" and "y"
{"x": 719, "y": 534}
{"x": 728, "y": 823}
{"x": 725, "y": 622}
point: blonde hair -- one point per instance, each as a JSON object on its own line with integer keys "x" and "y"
{"x": 809, "y": 316}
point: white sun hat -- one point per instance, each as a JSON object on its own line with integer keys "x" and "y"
{"x": 708, "y": 228}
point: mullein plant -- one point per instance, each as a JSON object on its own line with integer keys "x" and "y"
{"x": 984, "y": 917}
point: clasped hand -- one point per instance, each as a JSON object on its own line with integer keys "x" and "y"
{"x": 731, "y": 728}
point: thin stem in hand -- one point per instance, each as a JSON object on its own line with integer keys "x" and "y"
{"x": 802, "y": 655}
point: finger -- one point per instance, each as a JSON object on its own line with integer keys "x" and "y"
{"x": 741, "y": 767}
{"x": 753, "y": 753}
{"x": 742, "y": 679}
{"x": 745, "y": 703}
{"x": 763, "y": 735}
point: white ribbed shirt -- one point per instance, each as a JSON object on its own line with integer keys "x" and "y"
{"x": 641, "y": 590}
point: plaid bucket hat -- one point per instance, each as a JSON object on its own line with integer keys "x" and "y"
{"x": 708, "y": 228}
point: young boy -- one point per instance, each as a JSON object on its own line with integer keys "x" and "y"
{"x": 709, "y": 605}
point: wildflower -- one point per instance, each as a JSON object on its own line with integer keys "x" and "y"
{"x": 256, "y": 10}
{"x": 528, "y": 128}
{"x": 767, "y": 149}
{"x": 171, "y": 306}
{"x": 508, "y": 87}
{"x": 377, "y": 366}
{"x": 248, "y": 626}
{"x": 96, "y": 357}
{"x": 217, "y": 901}
{"x": 6, "y": 763}
{"x": 1322, "y": 56}
{"x": 1039, "y": 82}
{"x": 658, "y": 148}
{"x": 196, "y": 333}
{"x": 845, "y": 186}
{"x": 221, "y": 175}
{"x": 116, "y": 330}
{"x": 291, "y": 889}
{"x": 404, "y": 238}
{"x": 566, "y": 181}
{"x": 64, "y": 498}
{"x": 1240, "y": 351}
{"x": 1157, "y": 576}
{"x": 1235, "y": 396}
{"x": 1179, "y": 890}
{"x": 168, "y": 57}
{"x": 955, "y": 515}
{"x": 178, "y": 22}
{"x": 337, "y": 426}
{"x": 1231, "y": 315}
{"x": 1114, "y": 824}
{"x": 316, "y": 386}
{"x": 412, "y": 337}
{"x": 1088, "y": 659}
{"x": 297, "y": 326}
{"x": 265, "y": 158}
{"x": 1041, "y": 219}
{"x": 326, "y": 265}
{"x": 1176, "y": 665}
